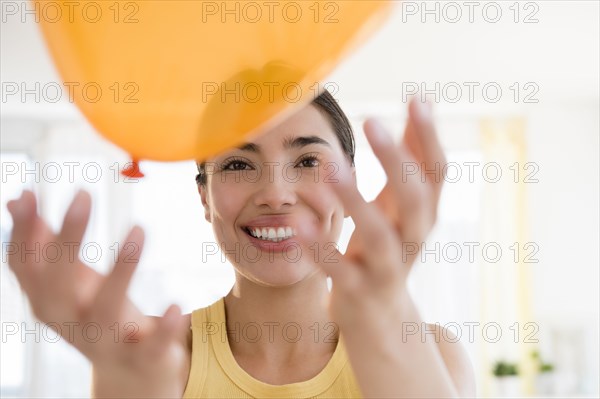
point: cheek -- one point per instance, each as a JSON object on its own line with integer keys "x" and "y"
{"x": 322, "y": 199}
{"x": 226, "y": 202}
{"x": 326, "y": 210}
{"x": 331, "y": 173}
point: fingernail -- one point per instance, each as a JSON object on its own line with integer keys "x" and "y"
{"x": 423, "y": 110}
{"x": 10, "y": 206}
{"x": 378, "y": 132}
{"x": 78, "y": 204}
{"x": 136, "y": 234}
{"x": 15, "y": 207}
{"x": 171, "y": 315}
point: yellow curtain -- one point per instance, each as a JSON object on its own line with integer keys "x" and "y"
{"x": 506, "y": 278}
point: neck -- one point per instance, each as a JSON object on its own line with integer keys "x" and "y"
{"x": 280, "y": 325}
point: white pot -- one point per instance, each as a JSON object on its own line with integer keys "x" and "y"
{"x": 544, "y": 383}
{"x": 508, "y": 386}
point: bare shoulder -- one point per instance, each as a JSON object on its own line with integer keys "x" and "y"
{"x": 456, "y": 359}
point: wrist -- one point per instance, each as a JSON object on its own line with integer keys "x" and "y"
{"x": 383, "y": 326}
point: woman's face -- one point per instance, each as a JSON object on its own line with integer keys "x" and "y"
{"x": 274, "y": 187}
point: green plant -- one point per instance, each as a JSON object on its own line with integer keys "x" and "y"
{"x": 503, "y": 369}
{"x": 546, "y": 367}
{"x": 542, "y": 367}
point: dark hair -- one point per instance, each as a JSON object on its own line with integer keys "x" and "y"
{"x": 329, "y": 107}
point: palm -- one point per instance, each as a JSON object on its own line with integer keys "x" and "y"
{"x": 373, "y": 272}
{"x": 92, "y": 311}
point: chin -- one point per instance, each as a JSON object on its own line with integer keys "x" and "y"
{"x": 277, "y": 273}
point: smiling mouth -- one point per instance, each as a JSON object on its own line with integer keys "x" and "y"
{"x": 272, "y": 234}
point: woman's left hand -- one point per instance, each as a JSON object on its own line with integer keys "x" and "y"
{"x": 380, "y": 324}
{"x": 369, "y": 280}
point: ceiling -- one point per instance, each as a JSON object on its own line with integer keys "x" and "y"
{"x": 559, "y": 53}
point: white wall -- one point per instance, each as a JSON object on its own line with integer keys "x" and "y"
{"x": 560, "y": 54}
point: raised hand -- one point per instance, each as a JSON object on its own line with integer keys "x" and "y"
{"x": 133, "y": 355}
{"x": 418, "y": 164}
{"x": 369, "y": 298}
{"x": 376, "y": 264}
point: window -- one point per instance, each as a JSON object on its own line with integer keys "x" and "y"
{"x": 13, "y": 309}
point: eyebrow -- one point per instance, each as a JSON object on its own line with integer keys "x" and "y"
{"x": 289, "y": 143}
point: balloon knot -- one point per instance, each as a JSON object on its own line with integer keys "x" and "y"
{"x": 132, "y": 170}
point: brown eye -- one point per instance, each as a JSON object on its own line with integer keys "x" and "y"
{"x": 235, "y": 164}
{"x": 309, "y": 161}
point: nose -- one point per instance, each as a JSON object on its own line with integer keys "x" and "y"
{"x": 275, "y": 190}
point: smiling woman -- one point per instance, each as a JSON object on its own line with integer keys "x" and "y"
{"x": 293, "y": 221}
{"x": 276, "y": 205}
{"x": 254, "y": 188}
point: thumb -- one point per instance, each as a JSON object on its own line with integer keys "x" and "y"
{"x": 345, "y": 274}
{"x": 166, "y": 331}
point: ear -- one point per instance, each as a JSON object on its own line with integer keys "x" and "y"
{"x": 203, "y": 197}
{"x": 353, "y": 177}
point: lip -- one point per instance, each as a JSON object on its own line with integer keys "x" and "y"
{"x": 271, "y": 246}
{"x": 271, "y": 221}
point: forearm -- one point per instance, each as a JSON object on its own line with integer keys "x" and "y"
{"x": 108, "y": 383}
{"x": 112, "y": 385}
{"x": 388, "y": 363}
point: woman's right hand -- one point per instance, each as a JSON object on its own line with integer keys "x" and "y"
{"x": 133, "y": 355}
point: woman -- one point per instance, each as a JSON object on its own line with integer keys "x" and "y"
{"x": 276, "y": 205}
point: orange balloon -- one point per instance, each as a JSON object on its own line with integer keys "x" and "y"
{"x": 177, "y": 80}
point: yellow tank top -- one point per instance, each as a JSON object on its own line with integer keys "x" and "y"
{"x": 215, "y": 373}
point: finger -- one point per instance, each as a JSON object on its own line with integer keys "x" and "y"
{"x": 412, "y": 196}
{"x": 372, "y": 230}
{"x": 75, "y": 223}
{"x": 29, "y": 234}
{"x": 345, "y": 274}
{"x": 327, "y": 257}
{"x": 166, "y": 331}
{"x": 422, "y": 139}
{"x": 311, "y": 242}
{"x": 63, "y": 269}
{"x": 24, "y": 214}
{"x": 113, "y": 293}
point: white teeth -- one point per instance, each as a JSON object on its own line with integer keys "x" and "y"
{"x": 274, "y": 234}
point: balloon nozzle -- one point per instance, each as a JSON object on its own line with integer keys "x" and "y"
{"x": 132, "y": 169}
